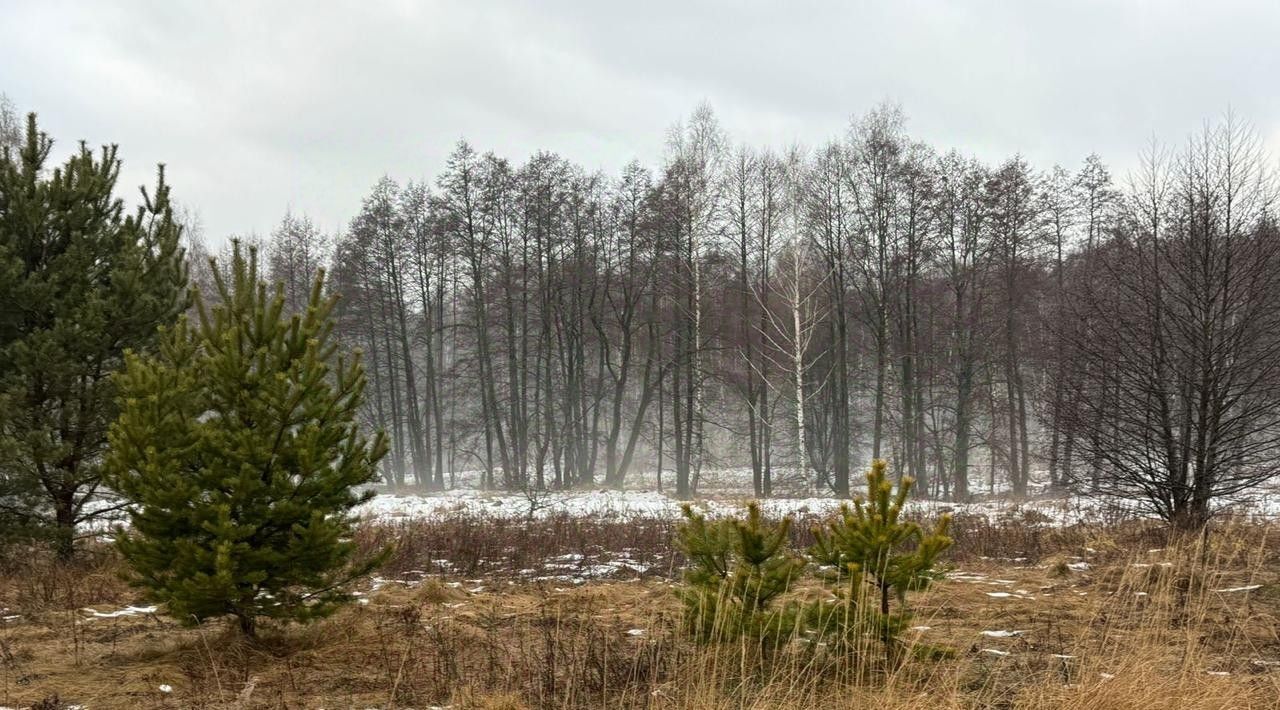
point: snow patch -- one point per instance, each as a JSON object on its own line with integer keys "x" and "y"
{"x": 127, "y": 611}
{"x": 648, "y": 503}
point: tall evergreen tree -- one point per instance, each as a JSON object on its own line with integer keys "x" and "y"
{"x": 80, "y": 283}
{"x": 245, "y": 510}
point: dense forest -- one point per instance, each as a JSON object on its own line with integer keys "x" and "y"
{"x": 982, "y": 327}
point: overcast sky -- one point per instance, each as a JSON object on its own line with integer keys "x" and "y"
{"x": 262, "y": 107}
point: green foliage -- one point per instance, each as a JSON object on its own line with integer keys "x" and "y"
{"x": 737, "y": 570}
{"x": 872, "y": 555}
{"x": 238, "y": 446}
{"x": 81, "y": 281}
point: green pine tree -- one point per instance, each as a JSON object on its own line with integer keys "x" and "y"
{"x": 239, "y": 447}
{"x": 869, "y": 548}
{"x": 737, "y": 569}
{"x": 81, "y": 281}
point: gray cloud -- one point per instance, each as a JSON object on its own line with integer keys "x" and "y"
{"x": 262, "y": 107}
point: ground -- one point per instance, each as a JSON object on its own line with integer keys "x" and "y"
{"x": 725, "y": 490}
{"x": 569, "y": 602}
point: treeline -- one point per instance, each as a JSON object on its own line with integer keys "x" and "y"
{"x": 981, "y": 327}
{"x": 797, "y": 312}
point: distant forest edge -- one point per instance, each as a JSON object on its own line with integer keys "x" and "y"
{"x": 802, "y": 312}
{"x": 809, "y": 310}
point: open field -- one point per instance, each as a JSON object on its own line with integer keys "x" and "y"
{"x": 724, "y": 490}
{"x": 578, "y": 611}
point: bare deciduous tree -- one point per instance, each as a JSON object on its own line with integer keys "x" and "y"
{"x": 1179, "y": 388}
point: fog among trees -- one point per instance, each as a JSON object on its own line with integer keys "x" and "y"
{"x": 799, "y": 311}
{"x": 560, "y": 354}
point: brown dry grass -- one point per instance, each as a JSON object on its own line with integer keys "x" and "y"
{"x": 1143, "y": 628}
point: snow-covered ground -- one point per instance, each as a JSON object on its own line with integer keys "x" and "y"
{"x": 720, "y": 492}
{"x": 629, "y": 504}
{"x": 651, "y": 504}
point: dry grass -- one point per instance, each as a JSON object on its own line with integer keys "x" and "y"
{"x": 1140, "y": 627}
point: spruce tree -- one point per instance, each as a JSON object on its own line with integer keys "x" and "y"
{"x": 81, "y": 281}
{"x": 239, "y": 448}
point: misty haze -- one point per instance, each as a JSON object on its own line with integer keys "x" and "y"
{"x": 680, "y": 355}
